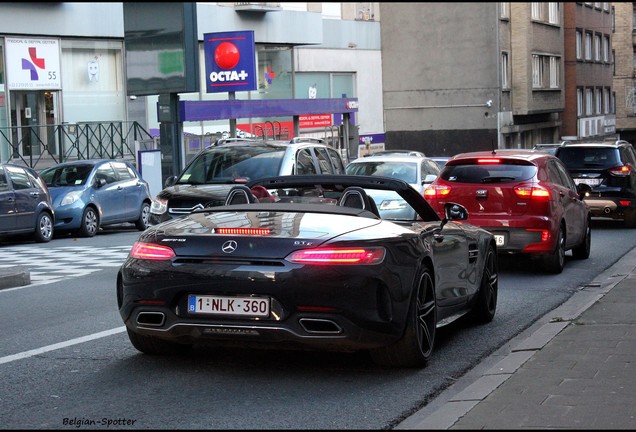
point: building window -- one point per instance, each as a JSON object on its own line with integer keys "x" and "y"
{"x": 579, "y": 45}
{"x": 553, "y": 13}
{"x": 598, "y": 100}
{"x": 546, "y": 12}
{"x": 606, "y": 100}
{"x": 536, "y": 11}
{"x": 606, "y": 49}
{"x": 588, "y": 46}
{"x": 554, "y": 72}
{"x": 536, "y": 71}
{"x": 546, "y": 71}
{"x": 312, "y": 85}
{"x": 579, "y": 102}
{"x": 589, "y": 102}
{"x": 597, "y": 47}
{"x": 505, "y": 83}
{"x": 504, "y": 10}
{"x": 105, "y": 89}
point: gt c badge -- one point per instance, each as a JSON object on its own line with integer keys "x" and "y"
{"x": 229, "y": 246}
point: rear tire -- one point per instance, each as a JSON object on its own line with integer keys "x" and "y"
{"x": 582, "y": 251}
{"x": 142, "y": 223}
{"x": 416, "y": 346}
{"x": 555, "y": 261}
{"x": 155, "y": 346}
{"x": 486, "y": 303}
{"x": 43, "y": 228}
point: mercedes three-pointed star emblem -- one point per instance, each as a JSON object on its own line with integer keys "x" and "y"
{"x": 229, "y": 246}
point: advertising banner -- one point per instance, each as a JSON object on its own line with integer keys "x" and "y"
{"x": 230, "y": 61}
{"x": 33, "y": 64}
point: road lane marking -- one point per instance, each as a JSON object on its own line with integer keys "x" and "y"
{"x": 79, "y": 340}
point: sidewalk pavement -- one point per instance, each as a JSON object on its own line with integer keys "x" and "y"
{"x": 575, "y": 368}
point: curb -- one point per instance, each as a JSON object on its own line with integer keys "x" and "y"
{"x": 14, "y": 277}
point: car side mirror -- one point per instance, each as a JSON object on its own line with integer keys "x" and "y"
{"x": 430, "y": 178}
{"x": 100, "y": 182}
{"x": 170, "y": 181}
{"x": 453, "y": 211}
{"x": 583, "y": 189}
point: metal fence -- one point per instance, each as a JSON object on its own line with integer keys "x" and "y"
{"x": 41, "y": 146}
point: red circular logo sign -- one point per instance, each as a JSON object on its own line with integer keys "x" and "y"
{"x": 227, "y": 55}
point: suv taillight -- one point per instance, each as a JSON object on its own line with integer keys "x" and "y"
{"x": 621, "y": 171}
{"x": 529, "y": 191}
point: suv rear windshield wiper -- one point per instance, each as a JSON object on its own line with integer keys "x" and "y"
{"x": 497, "y": 179}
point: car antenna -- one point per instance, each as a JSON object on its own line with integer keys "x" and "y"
{"x": 492, "y": 143}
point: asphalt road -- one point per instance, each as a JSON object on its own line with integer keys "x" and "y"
{"x": 66, "y": 361}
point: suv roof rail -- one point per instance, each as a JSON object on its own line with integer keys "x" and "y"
{"x": 222, "y": 141}
{"x": 536, "y": 146}
{"x": 397, "y": 153}
{"x": 307, "y": 139}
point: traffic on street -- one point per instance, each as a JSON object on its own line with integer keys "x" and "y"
{"x": 67, "y": 361}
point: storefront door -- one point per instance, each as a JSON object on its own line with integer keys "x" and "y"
{"x": 33, "y": 114}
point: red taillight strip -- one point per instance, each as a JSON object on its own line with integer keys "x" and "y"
{"x": 243, "y": 231}
{"x": 488, "y": 161}
{"x": 531, "y": 191}
{"x": 436, "y": 191}
{"x": 149, "y": 251}
{"x": 361, "y": 256}
{"x": 621, "y": 171}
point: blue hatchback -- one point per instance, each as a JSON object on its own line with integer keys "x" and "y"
{"x": 88, "y": 194}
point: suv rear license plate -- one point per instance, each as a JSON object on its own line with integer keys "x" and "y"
{"x": 251, "y": 307}
{"x": 588, "y": 181}
{"x": 499, "y": 239}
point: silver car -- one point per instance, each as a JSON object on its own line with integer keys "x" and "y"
{"x": 414, "y": 168}
{"x": 207, "y": 179}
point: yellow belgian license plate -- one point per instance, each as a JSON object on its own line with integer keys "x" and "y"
{"x": 250, "y": 307}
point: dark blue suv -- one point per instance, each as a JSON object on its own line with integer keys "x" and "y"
{"x": 609, "y": 169}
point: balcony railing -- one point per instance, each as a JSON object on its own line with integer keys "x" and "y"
{"x": 42, "y": 146}
{"x": 257, "y": 6}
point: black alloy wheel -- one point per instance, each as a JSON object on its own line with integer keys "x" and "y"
{"x": 486, "y": 304}
{"x": 415, "y": 348}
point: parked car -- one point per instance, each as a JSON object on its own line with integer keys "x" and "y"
{"x": 25, "y": 203}
{"x": 526, "y": 198}
{"x": 89, "y": 194}
{"x": 549, "y": 147}
{"x": 398, "y": 152}
{"x": 440, "y": 160}
{"x": 414, "y": 168}
{"x": 315, "y": 267}
{"x": 609, "y": 168}
{"x": 210, "y": 175}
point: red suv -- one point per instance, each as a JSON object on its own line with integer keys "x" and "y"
{"x": 526, "y": 198}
